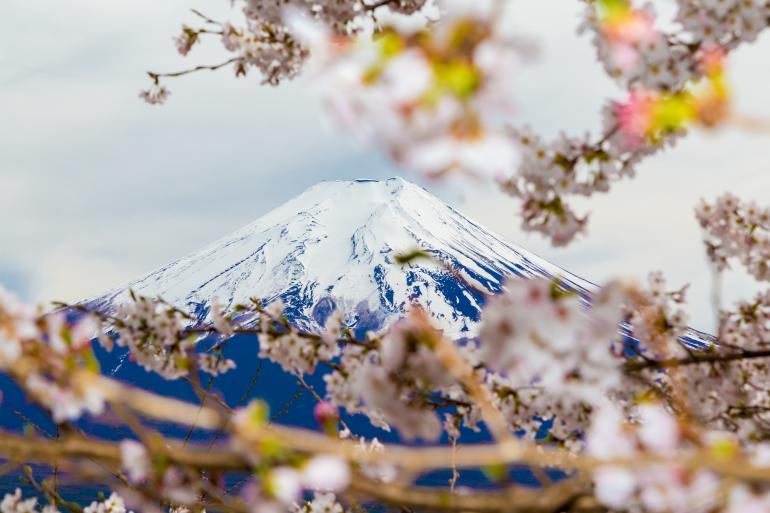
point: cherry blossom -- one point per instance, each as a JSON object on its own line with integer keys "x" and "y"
{"x": 321, "y": 473}
{"x": 433, "y": 98}
{"x": 135, "y": 460}
{"x": 113, "y": 504}
{"x": 744, "y": 500}
{"x": 222, "y": 323}
{"x": 659, "y": 487}
{"x": 65, "y": 403}
{"x": 432, "y": 85}
{"x": 327, "y": 416}
{"x": 321, "y": 503}
{"x": 14, "y": 503}
{"x": 657, "y": 317}
{"x": 674, "y": 81}
{"x": 214, "y": 363}
{"x": 284, "y": 484}
{"x": 737, "y": 230}
{"x": 155, "y": 95}
{"x": 155, "y": 333}
{"x": 17, "y": 322}
{"x": 325, "y": 473}
{"x": 539, "y": 333}
{"x": 186, "y": 40}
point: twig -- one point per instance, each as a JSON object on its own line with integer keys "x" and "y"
{"x": 210, "y": 67}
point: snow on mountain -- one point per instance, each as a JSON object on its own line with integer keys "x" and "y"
{"x": 334, "y": 246}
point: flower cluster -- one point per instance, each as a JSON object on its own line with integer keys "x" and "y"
{"x": 632, "y": 50}
{"x": 540, "y": 334}
{"x": 723, "y": 22}
{"x": 321, "y": 503}
{"x": 15, "y": 503}
{"x": 549, "y": 356}
{"x": 391, "y": 381}
{"x": 112, "y": 504}
{"x": 739, "y": 230}
{"x": 550, "y": 171}
{"x": 41, "y": 352}
{"x": 668, "y": 487}
{"x": 156, "y": 335}
{"x": 267, "y": 41}
{"x": 636, "y": 128}
{"x": 65, "y": 401}
{"x": 656, "y": 318}
{"x": 640, "y": 56}
{"x": 674, "y": 80}
{"x": 296, "y": 351}
{"x": 433, "y": 97}
{"x": 665, "y": 485}
{"x": 155, "y": 95}
{"x": 724, "y": 392}
{"x": 265, "y": 45}
{"x": 727, "y": 389}
{"x": 17, "y": 323}
{"x": 747, "y": 325}
{"x": 649, "y": 117}
{"x": 214, "y": 363}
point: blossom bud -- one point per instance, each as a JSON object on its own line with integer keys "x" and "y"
{"x": 327, "y": 416}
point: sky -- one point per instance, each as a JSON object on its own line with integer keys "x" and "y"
{"x": 97, "y": 188}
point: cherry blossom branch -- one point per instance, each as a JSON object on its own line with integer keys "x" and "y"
{"x": 416, "y": 459}
{"x": 514, "y": 499}
{"x": 695, "y": 359}
{"x": 378, "y": 4}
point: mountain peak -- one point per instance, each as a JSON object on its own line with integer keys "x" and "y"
{"x": 353, "y": 195}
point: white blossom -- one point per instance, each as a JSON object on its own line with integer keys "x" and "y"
{"x": 214, "y": 364}
{"x": 222, "y": 323}
{"x": 284, "y": 484}
{"x": 65, "y": 403}
{"x": 325, "y": 473}
{"x": 17, "y": 322}
{"x": 14, "y": 503}
{"x": 321, "y": 503}
{"x": 155, "y": 95}
{"x": 155, "y": 334}
{"x": 135, "y": 461}
{"x": 539, "y": 335}
{"x": 657, "y": 487}
{"x": 113, "y": 504}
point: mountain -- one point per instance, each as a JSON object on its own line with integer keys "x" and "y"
{"x": 335, "y": 246}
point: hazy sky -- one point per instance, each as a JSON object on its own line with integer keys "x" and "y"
{"x": 97, "y": 188}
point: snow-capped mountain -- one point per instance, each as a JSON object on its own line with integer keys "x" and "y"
{"x": 335, "y": 246}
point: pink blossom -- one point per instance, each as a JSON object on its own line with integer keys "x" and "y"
{"x": 636, "y": 116}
